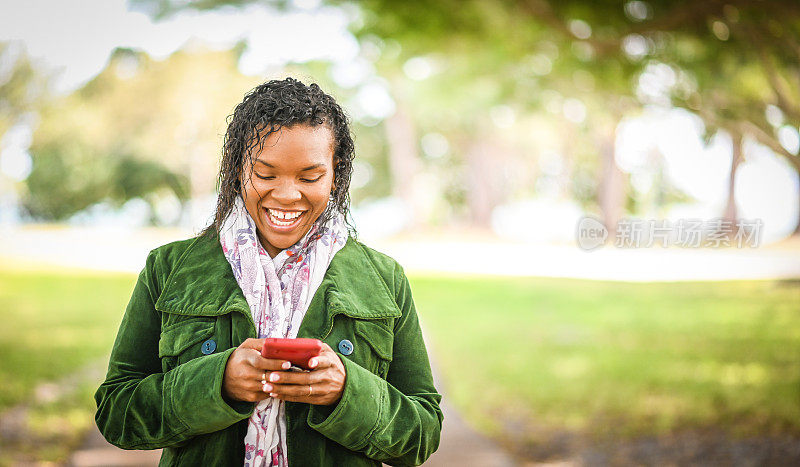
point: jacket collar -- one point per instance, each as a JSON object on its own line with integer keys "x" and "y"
{"x": 202, "y": 283}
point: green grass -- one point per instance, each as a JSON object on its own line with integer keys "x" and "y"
{"x": 627, "y": 359}
{"x": 56, "y": 325}
{"x": 514, "y": 354}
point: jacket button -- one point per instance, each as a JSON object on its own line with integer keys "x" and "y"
{"x": 208, "y": 347}
{"x": 345, "y": 347}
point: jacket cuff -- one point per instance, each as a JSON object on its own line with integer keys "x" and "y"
{"x": 195, "y": 394}
{"x": 355, "y": 417}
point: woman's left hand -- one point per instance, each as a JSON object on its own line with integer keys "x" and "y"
{"x": 323, "y": 385}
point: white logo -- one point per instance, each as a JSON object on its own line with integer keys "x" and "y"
{"x": 591, "y": 233}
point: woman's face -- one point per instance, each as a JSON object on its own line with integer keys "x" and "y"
{"x": 289, "y": 185}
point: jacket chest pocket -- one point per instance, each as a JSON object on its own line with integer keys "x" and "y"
{"x": 368, "y": 342}
{"x": 186, "y": 340}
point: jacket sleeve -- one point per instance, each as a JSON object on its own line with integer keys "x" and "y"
{"x": 397, "y": 421}
{"x": 141, "y": 407}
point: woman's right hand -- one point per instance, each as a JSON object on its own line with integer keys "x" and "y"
{"x": 245, "y": 371}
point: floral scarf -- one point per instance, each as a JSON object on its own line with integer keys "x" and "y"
{"x": 278, "y": 291}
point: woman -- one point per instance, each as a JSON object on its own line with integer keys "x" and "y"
{"x": 186, "y": 373}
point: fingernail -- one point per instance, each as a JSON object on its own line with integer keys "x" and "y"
{"x": 273, "y": 377}
{"x": 267, "y": 387}
{"x": 313, "y": 362}
{"x": 286, "y": 365}
{"x": 272, "y": 394}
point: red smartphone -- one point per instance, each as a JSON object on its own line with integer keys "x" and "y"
{"x": 298, "y": 351}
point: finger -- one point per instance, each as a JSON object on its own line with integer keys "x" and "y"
{"x": 296, "y": 377}
{"x": 253, "y": 380}
{"x": 296, "y": 390}
{"x": 270, "y": 364}
{"x": 323, "y": 360}
{"x": 251, "y": 343}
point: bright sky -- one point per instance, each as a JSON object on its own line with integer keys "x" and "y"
{"x": 77, "y": 36}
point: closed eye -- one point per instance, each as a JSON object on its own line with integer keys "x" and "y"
{"x": 307, "y": 180}
{"x": 265, "y": 177}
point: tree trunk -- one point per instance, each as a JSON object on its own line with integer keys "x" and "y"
{"x": 611, "y": 194}
{"x": 404, "y": 161}
{"x": 730, "y": 207}
{"x": 481, "y": 196}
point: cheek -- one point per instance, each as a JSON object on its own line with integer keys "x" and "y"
{"x": 246, "y": 188}
{"x": 252, "y": 189}
{"x": 327, "y": 190}
{"x": 319, "y": 198}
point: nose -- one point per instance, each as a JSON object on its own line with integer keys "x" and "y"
{"x": 286, "y": 192}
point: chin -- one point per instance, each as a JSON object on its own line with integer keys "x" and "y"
{"x": 282, "y": 242}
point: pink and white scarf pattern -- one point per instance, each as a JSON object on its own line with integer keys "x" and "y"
{"x": 278, "y": 291}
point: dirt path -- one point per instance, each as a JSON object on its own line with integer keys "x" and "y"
{"x": 462, "y": 446}
{"x": 96, "y": 451}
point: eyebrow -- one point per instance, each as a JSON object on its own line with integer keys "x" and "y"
{"x": 305, "y": 169}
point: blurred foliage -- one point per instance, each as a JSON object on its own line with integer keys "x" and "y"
{"x": 141, "y": 129}
{"x": 70, "y": 177}
{"x": 153, "y": 130}
{"x": 510, "y": 86}
{"x": 725, "y": 60}
{"x": 21, "y": 85}
{"x": 739, "y": 58}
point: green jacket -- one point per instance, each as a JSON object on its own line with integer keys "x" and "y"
{"x": 163, "y": 391}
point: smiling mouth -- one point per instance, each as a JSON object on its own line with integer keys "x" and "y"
{"x": 283, "y": 220}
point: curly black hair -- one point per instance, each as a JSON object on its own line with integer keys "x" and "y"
{"x": 266, "y": 109}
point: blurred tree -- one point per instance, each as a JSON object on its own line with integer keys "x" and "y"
{"x": 739, "y": 69}
{"x": 21, "y": 86}
{"x": 117, "y": 145}
{"x": 465, "y": 58}
{"x": 730, "y": 59}
{"x": 493, "y": 64}
{"x": 22, "y": 90}
{"x": 727, "y": 60}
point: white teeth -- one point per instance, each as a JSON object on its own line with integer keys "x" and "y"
{"x": 283, "y": 218}
{"x": 285, "y": 214}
